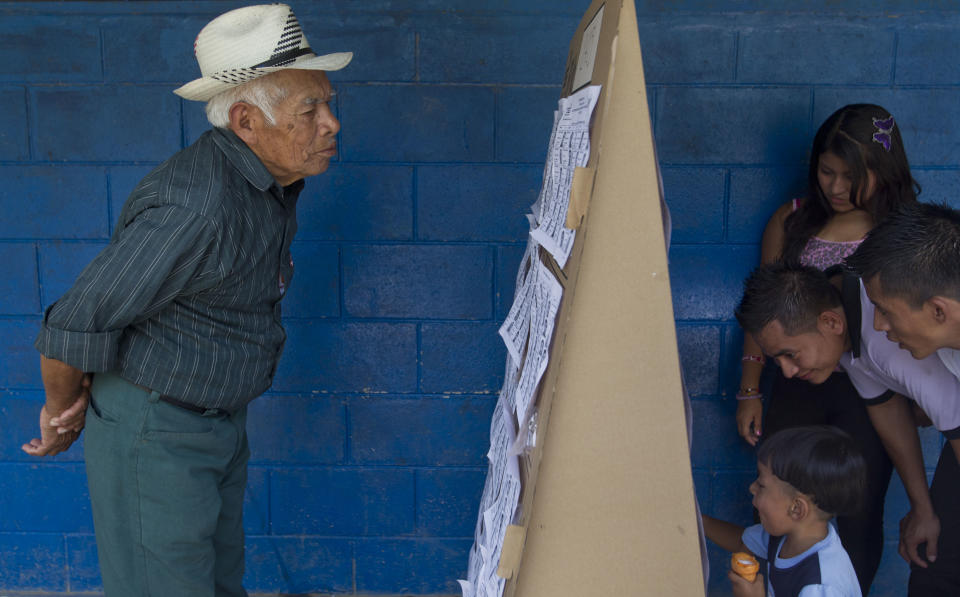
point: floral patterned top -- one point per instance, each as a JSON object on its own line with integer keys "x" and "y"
{"x": 821, "y": 254}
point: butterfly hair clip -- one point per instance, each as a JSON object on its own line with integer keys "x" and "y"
{"x": 884, "y": 131}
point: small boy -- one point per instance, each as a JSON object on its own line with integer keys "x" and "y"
{"x": 806, "y": 476}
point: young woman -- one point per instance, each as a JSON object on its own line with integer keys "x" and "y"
{"x": 858, "y": 173}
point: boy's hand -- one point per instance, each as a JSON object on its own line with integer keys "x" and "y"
{"x": 744, "y": 588}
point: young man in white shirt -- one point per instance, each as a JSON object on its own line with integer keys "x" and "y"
{"x": 910, "y": 265}
{"x": 811, "y": 324}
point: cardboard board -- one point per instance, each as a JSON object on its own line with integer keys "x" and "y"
{"x": 608, "y": 506}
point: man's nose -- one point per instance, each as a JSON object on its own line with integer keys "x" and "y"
{"x": 787, "y": 367}
{"x": 327, "y": 122}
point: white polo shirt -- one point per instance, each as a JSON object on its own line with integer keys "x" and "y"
{"x": 951, "y": 359}
{"x": 878, "y": 367}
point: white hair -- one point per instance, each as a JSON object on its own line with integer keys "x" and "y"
{"x": 261, "y": 92}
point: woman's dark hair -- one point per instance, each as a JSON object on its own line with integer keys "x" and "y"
{"x": 820, "y": 461}
{"x": 849, "y": 134}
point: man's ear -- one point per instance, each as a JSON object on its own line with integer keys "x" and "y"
{"x": 244, "y": 119}
{"x": 832, "y": 322}
{"x": 944, "y": 309}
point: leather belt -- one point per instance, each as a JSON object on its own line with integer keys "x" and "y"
{"x": 186, "y": 405}
{"x": 193, "y": 407}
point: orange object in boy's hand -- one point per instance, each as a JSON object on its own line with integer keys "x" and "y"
{"x": 745, "y": 565}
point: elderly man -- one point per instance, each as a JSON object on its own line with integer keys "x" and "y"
{"x": 811, "y": 326}
{"x": 175, "y": 327}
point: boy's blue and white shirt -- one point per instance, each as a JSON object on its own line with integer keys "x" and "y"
{"x": 824, "y": 570}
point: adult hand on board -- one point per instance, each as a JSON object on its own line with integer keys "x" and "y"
{"x": 749, "y": 414}
{"x": 742, "y": 587}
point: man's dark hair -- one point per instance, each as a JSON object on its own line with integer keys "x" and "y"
{"x": 916, "y": 253}
{"x": 794, "y": 295}
{"x": 820, "y": 461}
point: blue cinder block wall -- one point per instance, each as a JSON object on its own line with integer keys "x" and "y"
{"x": 368, "y": 452}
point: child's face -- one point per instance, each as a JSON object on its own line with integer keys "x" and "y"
{"x": 773, "y": 500}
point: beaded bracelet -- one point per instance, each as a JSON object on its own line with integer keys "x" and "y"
{"x": 757, "y": 358}
{"x": 749, "y": 394}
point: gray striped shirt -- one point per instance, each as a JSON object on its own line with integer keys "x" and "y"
{"x": 185, "y": 299}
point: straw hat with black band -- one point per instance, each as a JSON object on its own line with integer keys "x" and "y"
{"x": 250, "y": 42}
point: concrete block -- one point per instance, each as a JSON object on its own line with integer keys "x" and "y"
{"x": 32, "y": 562}
{"x": 49, "y": 48}
{"x": 695, "y": 199}
{"x": 33, "y": 507}
{"x": 699, "y": 347}
{"x": 416, "y": 123}
{"x": 168, "y": 57}
{"x": 508, "y": 263}
{"x": 425, "y": 281}
{"x": 939, "y": 186}
{"x": 815, "y": 52}
{"x": 256, "y": 499}
{"x": 476, "y": 203}
{"x": 921, "y": 53}
{"x": 297, "y": 429}
{"x": 383, "y": 43}
{"x": 45, "y": 209}
{"x": 19, "y": 360}
{"x": 498, "y": 49}
{"x": 713, "y": 125}
{"x": 327, "y": 357}
{"x": 687, "y": 52}
{"x": 19, "y": 288}
{"x": 357, "y": 202}
{"x": 63, "y": 119}
{"x": 702, "y": 487}
{"x": 707, "y": 280}
{"x": 444, "y": 496}
{"x": 383, "y": 431}
{"x": 755, "y": 193}
{"x": 315, "y": 291}
{"x": 716, "y": 443}
{"x": 461, "y": 358}
{"x": 524, "y": 121}
{"x": 397, "y": 565}
{"x": 342, "y": 502}
{"x": 83, "y": 565}
{"x": 13, "y": 125}
{"x": 298, "y": 565}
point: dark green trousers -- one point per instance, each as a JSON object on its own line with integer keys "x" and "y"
{"x": 166, "y": 488}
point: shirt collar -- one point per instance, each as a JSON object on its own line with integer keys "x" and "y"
{"x": 243, "y": 158}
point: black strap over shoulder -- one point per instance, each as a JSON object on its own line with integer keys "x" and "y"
{"x": 850, "y": 299}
